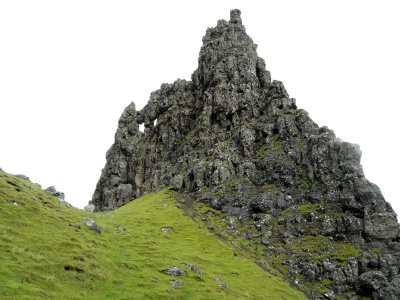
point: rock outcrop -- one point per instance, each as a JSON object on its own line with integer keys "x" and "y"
{"x": 60, "y": 195}
{"x": 236, "y": 141}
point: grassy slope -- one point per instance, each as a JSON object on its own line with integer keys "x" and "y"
{"x": 39, "y": 237}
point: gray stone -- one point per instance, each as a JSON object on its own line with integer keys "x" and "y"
{"x": 371, "y": 281}
{"x": 124, "y": 192}
{"x": 391, "y": 291}
{"x": 352, "y": 224}
{"x": 396, "y": 281}
{"x": 89, "y": 208}
{"x": 194, "y": 268}
{"x": 174, "y": 271}
{"x": 330, "y": 295}
{"x": 92, "y": 225}
{"x": 52, "y": 190}
{"x": 381, "y": 226}
{"x": 177, "y": 182}
{"x": 388, "y": 293}
{"x": 231, "y": 224}
{"x": 264, "y": 264}
{"x": 121, "y": 229}
{"x": 60, "y": 195}
{"x": 176, "y": 283}
{"x": 310, "y": 270}
{"x": 265, "y": 239}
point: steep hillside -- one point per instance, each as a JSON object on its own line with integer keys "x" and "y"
{"x": 47, "y": 252}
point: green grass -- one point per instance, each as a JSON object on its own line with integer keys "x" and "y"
{"x": 39, "y": 237}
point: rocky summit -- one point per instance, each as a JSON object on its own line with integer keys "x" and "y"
{"x": 234, "y": 141}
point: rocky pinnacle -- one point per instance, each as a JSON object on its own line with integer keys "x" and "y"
{"x": 235, "y": 140}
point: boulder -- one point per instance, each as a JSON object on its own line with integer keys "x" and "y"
{"x": 381, "y": 226}
{"x": 89, "y": 208}
{"x": 370, "y": 282}
{"x": 92, "y": 225}
{"x": 176, "y": 283}
{"x": 194, "y": 268}
{"x": 52, "y": 190}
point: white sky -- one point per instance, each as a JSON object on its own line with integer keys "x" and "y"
{"x": 69, "y": 68}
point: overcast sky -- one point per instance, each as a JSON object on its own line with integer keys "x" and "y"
{"x": 69, "y": 68}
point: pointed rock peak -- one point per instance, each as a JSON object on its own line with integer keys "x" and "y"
{"x": 233, "y": 140}
{"x": 235, "y": 16}
{"x": 228, "y": 59}
{"x": 128, "y": 114}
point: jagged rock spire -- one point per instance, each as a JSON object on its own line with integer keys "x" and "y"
{"x": 225, "y": 90}
{"x": 235, "y": 140}
{"x": 228, "y": 56}
{"x": 235, "y": 17}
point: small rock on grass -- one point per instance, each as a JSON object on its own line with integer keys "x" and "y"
{"x": 89, "y": 208}
{"x": 174, "y": 271}
{"x": 194, "y": 268}
{"x": 121, "y": 229}
{"x": 92, "y": 225}
{"x": 176, "y": 283}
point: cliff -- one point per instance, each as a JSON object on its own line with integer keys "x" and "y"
{"x": 235, "y": 141}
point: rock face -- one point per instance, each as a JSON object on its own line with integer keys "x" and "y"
{"x": 235, "y": 140}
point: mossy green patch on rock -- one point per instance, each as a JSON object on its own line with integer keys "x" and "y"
{"x": 261, "y": 151}
{"x": 269, "y": 187}
{"x": 303, "y": 209}
{"x": 319, "y": 248}
{"x": 273, "y": 148}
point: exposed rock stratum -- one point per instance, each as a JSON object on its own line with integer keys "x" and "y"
{"x": 234, "y": 140}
